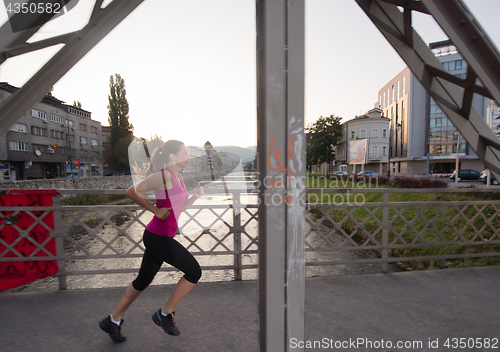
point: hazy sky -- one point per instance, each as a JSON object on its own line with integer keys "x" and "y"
{"x": 189, "y": 66}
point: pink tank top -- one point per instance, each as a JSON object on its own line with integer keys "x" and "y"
{"x": 173, "y": 198}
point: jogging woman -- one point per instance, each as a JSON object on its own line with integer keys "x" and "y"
{"x": 171, "y": 199}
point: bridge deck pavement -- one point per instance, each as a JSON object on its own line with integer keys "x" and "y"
{"x": 222, "y": 316}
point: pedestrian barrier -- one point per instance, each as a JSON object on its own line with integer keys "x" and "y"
{"x": 106, "y": 239}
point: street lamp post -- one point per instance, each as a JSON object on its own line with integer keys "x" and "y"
{"x": 208, "y": 149}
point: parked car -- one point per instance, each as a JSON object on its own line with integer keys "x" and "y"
{"x": 466, "y": 174}
{"x": 340, "y": 173}
{"x": 484, "y": 177}
{"x": 368, "y": 173}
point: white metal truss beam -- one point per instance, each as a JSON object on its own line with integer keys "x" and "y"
{"x": 281, "y": 164}
{"x": 473, "y": 44}
{"x": 77, "y": 45}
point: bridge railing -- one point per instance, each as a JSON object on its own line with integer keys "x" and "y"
{"x": 222, "y": 234}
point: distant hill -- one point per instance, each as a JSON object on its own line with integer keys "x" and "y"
{"x": 245, "y": 154}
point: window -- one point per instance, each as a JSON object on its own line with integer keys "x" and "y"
{"x": 70, "y": 137}
{"x": 83, "y": 140}
{"x": 83, "y": 127}
{"x": 38, "y": 114}
{"x": 393, "y": 94}
{"x": 375, "y": 133}
{"x": 79, "y": 112}
{"x": 446, "y": 65}
{"x": 384, "y": 150}
{"x": 362, "y": 134}
{"x": 72, "y": 151}
{"x": 432, "y": 149}
{"x": 95, "y": 154}
{"x": 93, "y": 142}
{"x": 56, "y": 119}
{"x": 384, "y": 133}
{"x": 398, "y": 89}
{"x": 42, "y": 148}
{"x": 21, "y": 146}
{"x": 71, "y": 123}
{"x": 83, "y": 153}
{"x": 439, "y": 148}
{"x": 374, "y": 151}
{"x": 56, "y": 134}
{"x": 353, "y": 134}
{"x": 384, "y": 101}
{"x": 19, "y": 127}
{"x": 461, "y": 149}
{"x": 59, "y": 150}
{"x": 404, "y": 85}
{"x": 37, "y": 131}
{"x": 451, "y": 66}
{"x": 93, "y": 129}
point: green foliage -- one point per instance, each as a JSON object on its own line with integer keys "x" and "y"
{"x": 439, "y": 229}
{"x": 154, "y": 142}
{"x": 77, "y": 103}
{"x": 250, "y": 165}
{"x": 418, "y": 183}
{"x": 120, "y": 128}
{"x": 324, "y": 134}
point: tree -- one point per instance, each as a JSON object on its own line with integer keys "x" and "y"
{"x": 154, "y": 142}
{"x": 324, "y": 134}
{"x": 121, "y": 131}
{"x": 77, "y": 103}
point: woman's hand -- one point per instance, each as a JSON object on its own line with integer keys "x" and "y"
{"x": 199, "y": 192}
{"x": 162, "y": 213}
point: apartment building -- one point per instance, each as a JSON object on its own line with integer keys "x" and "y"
{"x": 51, "y": 140}
{"x": 422, "y": 137}
{"x": 365, "y": 144}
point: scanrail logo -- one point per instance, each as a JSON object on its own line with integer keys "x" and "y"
{"x": 25, "y": 14}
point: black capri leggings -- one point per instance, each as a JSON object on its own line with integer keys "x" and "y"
{"x": 161, "y": 249}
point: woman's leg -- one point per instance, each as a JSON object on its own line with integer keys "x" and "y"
{"x": 180, "y": 291}
{"x": 149, "y": 267}
{"x": 128, "y": 297}
{"x": 180, "y": 258}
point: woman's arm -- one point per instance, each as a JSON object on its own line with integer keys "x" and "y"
{"x": 198, "y": 192}
{"x": 136, "y": 193}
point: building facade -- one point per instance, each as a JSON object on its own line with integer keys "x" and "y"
{"x": 51, "y": 140}
{"x": 368, "y": 133}
{"x": 422, "y": 138}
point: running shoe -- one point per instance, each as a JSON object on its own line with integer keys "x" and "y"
{"x": 112, "y": 329}
{"x": 166, "y": 323}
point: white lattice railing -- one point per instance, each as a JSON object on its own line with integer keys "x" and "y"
{"x": 227, "y": 230}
